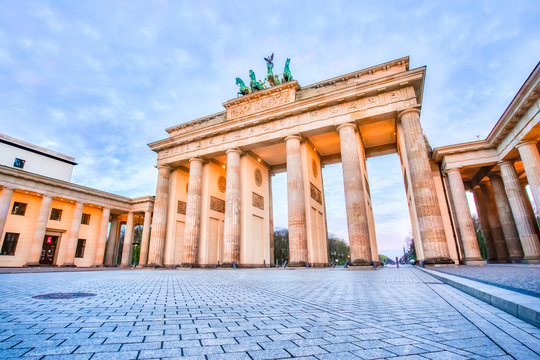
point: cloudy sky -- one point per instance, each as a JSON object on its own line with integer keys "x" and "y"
{"x": 98, "y": 80}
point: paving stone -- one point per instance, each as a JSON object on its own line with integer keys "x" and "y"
{"x": 214, "y": 314}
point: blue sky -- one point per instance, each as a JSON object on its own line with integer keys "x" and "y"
{"x": 98, "y": 80}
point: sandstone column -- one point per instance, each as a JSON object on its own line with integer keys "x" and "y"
{"x": 102, "y": 238}
{"x": 355, "y": 199}
{"x": 193, "y": 212}
{"x": 428, "y": 213}
{"x": 39, "y": 232}
{"x": 155, "y": 250}
{"x": 463, "y": 217}
{"x": 495, "y": 226}
{"x": 531, "y": 163}
{"x": 109, "y": 255}
{"x": 143, "y": 258}
{"x": 481, "y": 208}
{"x": 5, "y": 201}
{"x": 128, "y": 238}
{"x": 515, "y": 253}
{"x": 231, "y": 246}
{"x": 518, "y": 203}
{"x": 73, "y": 235}
{"x": 296, "y": 205}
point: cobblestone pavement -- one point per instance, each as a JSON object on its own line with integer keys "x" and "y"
{"x": 254, "y": 314}
{"x": 522, "y": 278}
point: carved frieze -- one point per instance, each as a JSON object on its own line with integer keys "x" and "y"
{"x": 258, "y": 177}
{"x": 315, "y": 193}
{"x": 257, "y": 201}
{"x": 222, "y": 183}
{"x": 217, "y": 204}
{"x": 181, "y": 207}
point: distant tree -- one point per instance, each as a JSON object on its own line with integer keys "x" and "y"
{"x": 338, "y": 250}
{"x": 409, "y": 250}
{"x": 480, "y": 237}
{"x": 281, "y": 245}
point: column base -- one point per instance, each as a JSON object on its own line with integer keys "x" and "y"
{"x": 297, "y": 264}
{"x": 33, "y": 264}
{"x": 361, "y": 262}
{"x": 68, "y": 265}
{"x": 530, "y": 261}
{"x": 515, "y": 260}
{"x": 362, "y": 267}
{"x": 475, "y": 262}
{"x": 154, "y": 266}
{"x": 189, "y": 265}
{"x": 436, "y": 262}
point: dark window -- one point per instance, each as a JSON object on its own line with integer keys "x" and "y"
{"x": 85, "y": 219}
{"x": 10, "y": 243}
{"x": 19, "y": 163}
{"x": 56, "y": 214}
{"x": 18, "y": 208}
{"x": 79, "y": 253}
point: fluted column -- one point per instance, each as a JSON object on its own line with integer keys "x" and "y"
{"x": 463, "y": 217}
{"x": 109, "y": 254}
{"x": 355, "y": 199}
{"x": 511, "y": 236}
{"x": 128, "y": 238}
{"x": 231, "y": 246}
{"x": 481, "y": 208}
{"x": 428, "y": 213}
{"x": 525, "y": 226}
{"x": 193, "y": 212}
{"x": 143, "y": 257}
{"x": 159, "y": 221}
{"x": 5, "y": 201}
{"x": 39, "y": 231}
{"x": 495, "y": 226}
{"x": 73, "y": 235}
{"x": 296, "y": 203}
{"x": 102, "y": 237}
{"x": 531, "y": 163}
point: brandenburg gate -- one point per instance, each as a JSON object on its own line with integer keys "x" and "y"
{"x": 214, "y": 200}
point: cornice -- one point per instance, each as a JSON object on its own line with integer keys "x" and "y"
{"x": 440, "y": 152}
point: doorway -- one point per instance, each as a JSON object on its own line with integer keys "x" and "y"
{"x": 49, "y": 249}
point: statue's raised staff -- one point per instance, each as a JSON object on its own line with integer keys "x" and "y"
{"x": 254, "y": 84}
{"x": 287, "y": 76}
{"x": 270, "y": 77}
{"x": 244, "y": 90}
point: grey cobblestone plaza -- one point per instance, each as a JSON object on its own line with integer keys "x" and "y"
{"x": 254, "y": 314}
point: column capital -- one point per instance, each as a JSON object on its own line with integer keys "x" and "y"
{"x": 197, "y": 159}
{"x": 344, "y": 125}
{"x": 505, "y": 162}
{"x": 290, "y": 137}
{"x": 525, "y": 142}
{"x": 452, "y": 169}
{"x": 164, "y": 167}
{"x": 4, "y": 187}
{"x": 406, "y": 111}
{"x": 233, "y": 150}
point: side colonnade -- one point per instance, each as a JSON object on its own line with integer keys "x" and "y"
{"x": 46, "y": 225}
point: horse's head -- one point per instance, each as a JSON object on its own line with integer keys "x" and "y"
{"x": 251, "y": 74}
{"x": 287, "y": 62}
{"x": 238, "y": 81}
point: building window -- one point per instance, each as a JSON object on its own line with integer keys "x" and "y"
{"x": 18, "y": 209}
{"x": 10, "y": 243}
{"x": 56, "y": 214}
{"x": 19, "y": 163}
{"x": 81, "y": 243}
{"x": 85, "y": 219}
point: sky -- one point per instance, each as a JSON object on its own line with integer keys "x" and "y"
{"x": 99, "y": 80}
